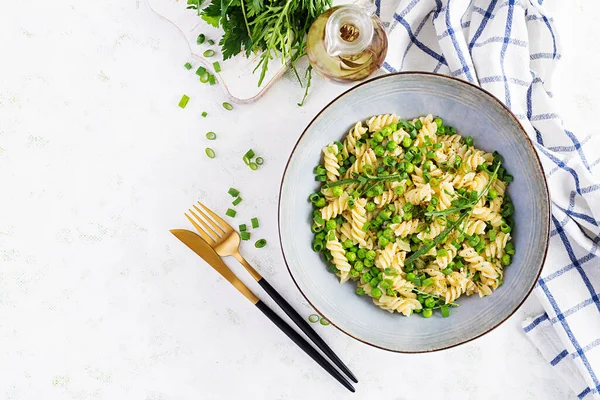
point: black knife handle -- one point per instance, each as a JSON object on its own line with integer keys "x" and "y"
{"x": 305, "y": 327}
{"x": 304, "y": 345}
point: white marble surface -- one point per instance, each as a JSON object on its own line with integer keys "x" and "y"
{"x": 99, "y": 301}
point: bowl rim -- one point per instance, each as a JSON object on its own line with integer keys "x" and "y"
{"x": 527, "y": 139}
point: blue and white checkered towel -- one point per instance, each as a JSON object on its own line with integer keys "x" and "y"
{"x": 511, "y": 49}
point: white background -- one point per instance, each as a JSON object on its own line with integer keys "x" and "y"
{"x": 97, "y": 163}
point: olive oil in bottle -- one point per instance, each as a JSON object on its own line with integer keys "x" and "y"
{"x": 347, "y": 43}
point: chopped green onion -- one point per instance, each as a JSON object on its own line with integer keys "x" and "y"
{"x": 253, "y": 166}
{"x": 230, "y": 213}
{"x": 260, "y": 243}
{"x": 249, "y": 154}
{"x": 243, "y": 228}
{"x": 445, "y": 311}
{"x": 211, "y": 79}
{"x": 209, "y": 53}
{"x": 237, "y": 201}
{"x": 200, "y": 70}
{"x": 259, "y": 160}
{"x": 233, "y": 192}
{"x": 187, "y": 66}
{"x": 314, "y": 318}
{"x": 184, "y": 100}
{"x": 211, "y": 42}
{"x": 245, "y": 235}
{"x": 204, "y": 77}
{"x": 210, "y": 152}
{"x": 254, "y": 223}
{"x": 201, "y": 38}
{"x": 324, "y": 322}
{"x": 227, "y": 106}
{"x": 217, "y": 66}
{"x": 211, "y": 135}
{"x": 204, "y": 114}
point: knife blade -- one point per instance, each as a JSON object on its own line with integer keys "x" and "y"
{"x": 203, "y": 249}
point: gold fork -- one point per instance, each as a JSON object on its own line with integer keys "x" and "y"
{"x": 226, "y": 242}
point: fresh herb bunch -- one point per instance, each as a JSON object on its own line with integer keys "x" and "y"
{"x": 273, "y": 27}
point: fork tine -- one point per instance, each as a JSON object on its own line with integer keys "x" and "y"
{"x": 200, "y": 230}
{"x": 214, "y": 226}
{"x": 208, "y": 227}
{"x": 222, "y": 224}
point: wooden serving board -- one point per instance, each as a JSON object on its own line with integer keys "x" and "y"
{"x": 236, "y": 77}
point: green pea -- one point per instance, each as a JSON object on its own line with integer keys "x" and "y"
{"x": 337, "y": 191}
{"x": 379, "y": 151}
{"x": 366, "y": 277}
{"x": 427, "y": 165}
{"x": 407, "y": 216}
{"x": 353, "y": 273}
{"x": 388, "y": 234}
{"x": 368, "y": 263}
{"x": 410, "y": 276}
{"x": 358, "y": 265}
{"x": 383, "y": 241}
{"x": 407, "y": 142}
{"x": 376, "y": 293}
{"x": 370, "y": 206}
{"x": 387, "y": 131}
{"x": 360, "y": 291}
{"x": 492, "y": 194}
{"x": 371, "y": 255}
{"x": 506, "y": 260}
{"x": 361, "y": 253}
{"x": 374, "y": 271}
{"x": 351, "y": 256}
{"x": 386, "y": 283}
{"x": 374, "y": 282}
{"x": 391, "y": 146}
{"x": 429, "y": 302}
{"x": 438, "y": 121}
{"x": 347, "y": 244}
{"x": 410, "y": 168}
{"x": 468, "y": 140}
{"x": 320, "y": 203}
{"x": 427, "y": 313}
{"x": 330, "y": 225}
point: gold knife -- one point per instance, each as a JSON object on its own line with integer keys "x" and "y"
{"x": 203, "y": 249}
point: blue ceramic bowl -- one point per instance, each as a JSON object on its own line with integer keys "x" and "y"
{"x": 473, "y": 112}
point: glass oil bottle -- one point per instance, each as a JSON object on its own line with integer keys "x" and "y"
{"x": 347, "y": 43}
